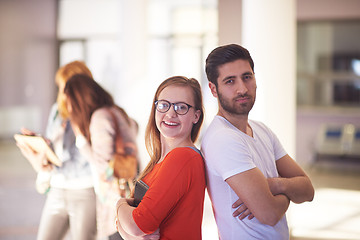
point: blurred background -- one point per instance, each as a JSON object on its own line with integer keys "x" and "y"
{"x": 307, "y": 65}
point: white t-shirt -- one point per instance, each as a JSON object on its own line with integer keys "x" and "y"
{"x": 227, "y": 152}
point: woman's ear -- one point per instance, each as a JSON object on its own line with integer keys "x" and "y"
{"x": 197, "y": 116}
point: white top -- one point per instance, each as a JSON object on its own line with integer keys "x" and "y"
{"x": 227, "y": 152}
{"x": 75, "y": 172}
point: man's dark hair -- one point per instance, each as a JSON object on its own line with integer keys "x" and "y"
{"x": 225, "y": 54}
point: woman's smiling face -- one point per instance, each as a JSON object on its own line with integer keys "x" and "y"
{"x": 170, "y": 124}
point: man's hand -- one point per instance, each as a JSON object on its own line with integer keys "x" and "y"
{"x": 292, "y": 181}
{"x": 242, "y": 211}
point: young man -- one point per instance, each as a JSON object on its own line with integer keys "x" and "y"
{"x": 251, "y": 179}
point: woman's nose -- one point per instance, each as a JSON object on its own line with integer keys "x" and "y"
{"x": 171, "y": 112}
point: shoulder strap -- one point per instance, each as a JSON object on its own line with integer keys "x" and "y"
{"x": 196, "y": 150}
{"x": 119, "y": 145}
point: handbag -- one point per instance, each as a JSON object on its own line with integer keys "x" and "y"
{"x": 124, "y": 165}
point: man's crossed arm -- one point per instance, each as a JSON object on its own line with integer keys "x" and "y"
{"x": 268, "y": 199}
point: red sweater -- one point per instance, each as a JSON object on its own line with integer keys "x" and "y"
{"x": 175, "y": 199}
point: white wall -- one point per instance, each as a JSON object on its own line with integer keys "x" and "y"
{"x": 327, "y": 9}
{"x": 270, "y": 38}
{"x": 27, "y": 63}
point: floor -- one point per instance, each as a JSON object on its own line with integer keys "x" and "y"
{"x": 333, "y": 214}
{"x": 20, "y": 204}
{"x": 335, "y": 211}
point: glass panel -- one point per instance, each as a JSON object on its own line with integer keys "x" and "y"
{"x": 328, "y": 63}
{"x": 71, "y": 51}
{"x": 88, "y": 18}
{"x": 179, "y": 34}
{"x": 187, "y": 28}
{"x": 103, "y": 58}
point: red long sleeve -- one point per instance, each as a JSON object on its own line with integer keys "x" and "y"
{"x": 174, "y": 201}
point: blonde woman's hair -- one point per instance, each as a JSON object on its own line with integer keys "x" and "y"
{"x": 152, "y": 134}
{"x": 63, "y": 74}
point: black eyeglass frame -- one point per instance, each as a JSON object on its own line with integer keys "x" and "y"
{"x": 174, "y": 106}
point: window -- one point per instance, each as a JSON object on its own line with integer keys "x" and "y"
{"x": 177, "y": 35}
{"x": 328, "y": 63}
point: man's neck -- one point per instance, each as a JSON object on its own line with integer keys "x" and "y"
{"x": 239, "y": 121}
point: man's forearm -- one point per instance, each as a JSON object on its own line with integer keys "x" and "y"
{"x": 280, "y": 207}
{"x": 298, "y": 189}
{"x": 253, "y": 189}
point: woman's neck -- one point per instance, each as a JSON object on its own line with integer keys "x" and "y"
{"x": 169, "y": 144}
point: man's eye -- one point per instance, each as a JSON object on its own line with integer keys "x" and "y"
{"x": 247, "y": 77}
{"x": 229, "y": 81}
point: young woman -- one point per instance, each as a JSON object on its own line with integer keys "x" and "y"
{"x": 71, "y": 201}
{"x": 94, "y": 116}
{"x": 172, "y": 207}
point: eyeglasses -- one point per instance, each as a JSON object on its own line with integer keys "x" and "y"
{"x": 180, "y": 108}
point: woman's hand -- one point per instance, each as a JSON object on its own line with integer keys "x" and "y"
{"x": 154, "y": 236}
{"x": 130, "y": 201}
{"x": 37, "y": 160}
{"x": 26, "y": 131}
{"x": 242, "y": 211}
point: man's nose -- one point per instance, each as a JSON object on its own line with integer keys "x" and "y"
{"x": 241, "y": 88}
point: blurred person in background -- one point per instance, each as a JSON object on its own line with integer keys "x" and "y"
{"x": 71, "y": 202}
{"x": 97, "y": 120}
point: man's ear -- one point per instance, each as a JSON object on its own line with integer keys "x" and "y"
{"x": 213, "y": 89}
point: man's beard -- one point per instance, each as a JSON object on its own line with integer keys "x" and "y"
{"x": 230, "y": 107}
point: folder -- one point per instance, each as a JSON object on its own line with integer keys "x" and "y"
{"x": 139, "y": 192}
{"x": 38, "y": 144}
